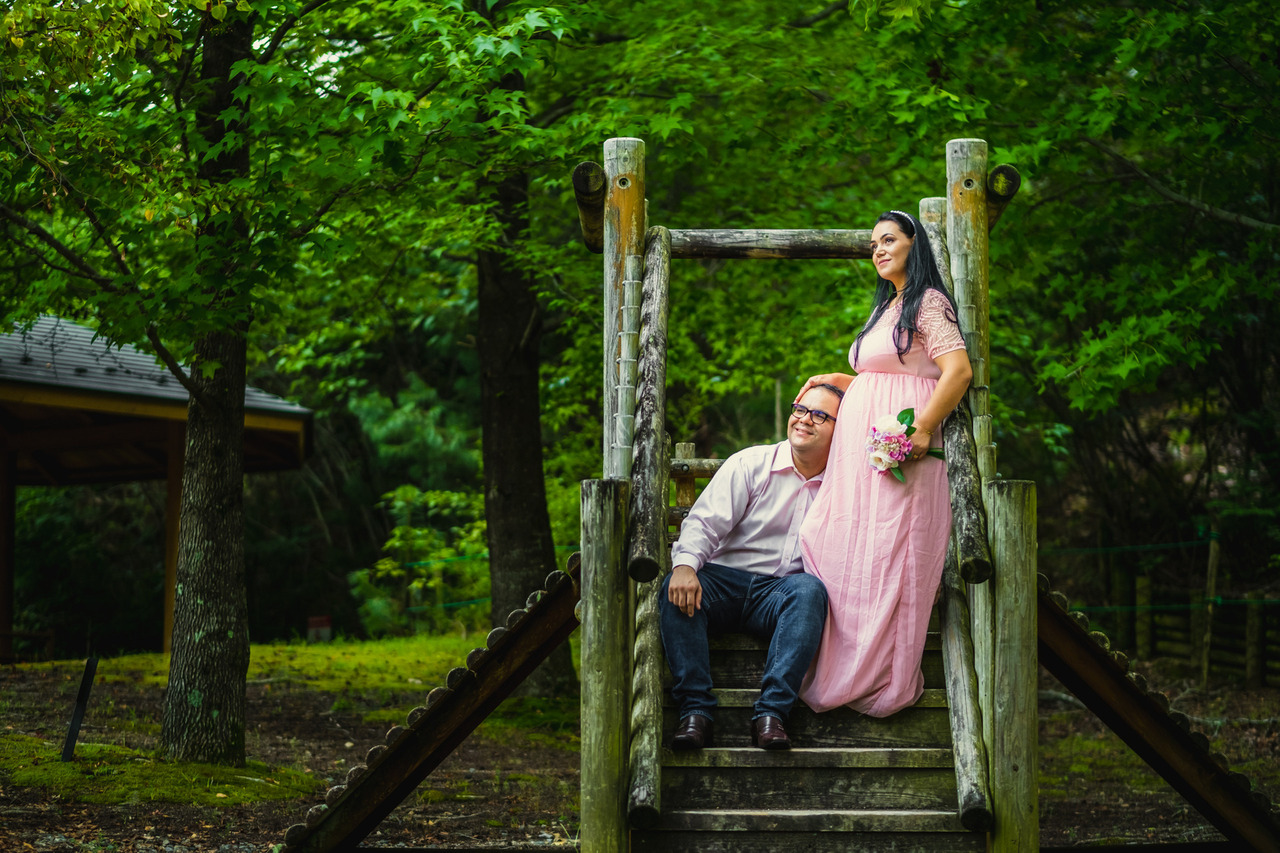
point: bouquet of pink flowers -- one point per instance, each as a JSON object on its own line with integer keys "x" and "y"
{"x": 889, "y": 443}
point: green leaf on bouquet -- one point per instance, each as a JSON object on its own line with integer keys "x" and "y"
{"x": 908, "y": 417}
{"x": 936, "y": 453}
{"x": 897, "y": 473}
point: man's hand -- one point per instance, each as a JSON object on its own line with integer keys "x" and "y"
{"x": 685, "y": 590}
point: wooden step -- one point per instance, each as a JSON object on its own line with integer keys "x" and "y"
{"x": 809, "y": 779}
{"x": 925, "y": 726}
{"x": 737, "y": 660}
{"x": 817, "y": 831}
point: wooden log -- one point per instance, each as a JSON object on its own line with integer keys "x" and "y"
{"x": 973, "y": 788}
{"x": 606, "y": 666}
{"x": 1015, "y": 747}
{"x": 966, "y": 233}
{"x": 624, "y": 224}
{"x": 589, "y": 187}
{"x": 968, "y": 515}
{"x": 766, "y": 244}
{"x": 686, "y": 467}
{"x": 1002, "y": 186}
{"x": 651, "y": 468}
{"x": 1254, "y": 644}
{"x": 644, "y": 801}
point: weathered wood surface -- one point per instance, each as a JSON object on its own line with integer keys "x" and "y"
{"x": 624, "y": 226}
{"x": 791, "y": 840}
{"x": 687, "y": 466}
{"x": 644, "y": 801}
{"x": 651, "y": 468}
{"x": 1142, "y": 721}
{"x": 1002, "y": 186}
{"x": 607, "y": 625}
{"x": 770, "y": 244}
{"x": 1014, "y": 749}
{"x": 911, "y": 727}
{"x": 450, "y": 715}
{"x": 686, "y": 481}
{"x": 973, "y": 785}
{"x": 968, "y": 514}
{"x": 967, "y": 244}
{"x": 854, "y": 757}
{"x": 589, "y": 188}
{"x": 920, "y": 820}
{"x": 787, "y": 787}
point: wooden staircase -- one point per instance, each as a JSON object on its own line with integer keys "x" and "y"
{"x": 851, "y": 782}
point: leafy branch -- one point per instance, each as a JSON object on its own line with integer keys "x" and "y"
{"x": 1179, "y": 198}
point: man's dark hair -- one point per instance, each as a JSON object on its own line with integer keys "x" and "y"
{"x": 833, "y": 389}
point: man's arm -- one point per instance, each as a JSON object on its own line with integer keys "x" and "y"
{"x": 713, "y": 516}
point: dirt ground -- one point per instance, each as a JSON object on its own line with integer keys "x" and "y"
{"x": 499, "y": 789}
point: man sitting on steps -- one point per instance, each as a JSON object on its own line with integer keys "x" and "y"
{"x": 737, "y": 568}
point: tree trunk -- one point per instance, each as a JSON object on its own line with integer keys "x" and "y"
{"x": 521, "y": 551}
{"x": 204, "y": 710}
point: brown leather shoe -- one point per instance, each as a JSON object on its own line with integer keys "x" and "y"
{"x": 693, "y": 732}
{"x": 768, "y": 733}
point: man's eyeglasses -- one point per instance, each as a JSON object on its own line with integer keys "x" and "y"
{"x": 816, "y": 415}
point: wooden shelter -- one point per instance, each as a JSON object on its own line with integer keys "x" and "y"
{"x": 76, "y": 410}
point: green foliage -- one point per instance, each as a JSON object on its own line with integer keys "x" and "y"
{"x": 435, "y": 576}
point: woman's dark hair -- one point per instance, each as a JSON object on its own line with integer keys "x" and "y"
{"x": 922, "y": 275}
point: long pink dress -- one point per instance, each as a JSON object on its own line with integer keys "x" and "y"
{"x": 876, "y": 543}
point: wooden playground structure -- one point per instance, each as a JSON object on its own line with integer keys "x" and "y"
{"x": 957, "y": 771}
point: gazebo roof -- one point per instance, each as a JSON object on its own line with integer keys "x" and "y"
{"x": 78, "y": 410}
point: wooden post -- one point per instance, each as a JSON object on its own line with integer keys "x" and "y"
{"x": 624, "y": 226}
{"x": 1144, "y": 618}
{"x": 686, "y": 483}
{"x": 1255, "y": 643}
{"x": 8, "y": 533}
{"x": 1210, "y": 593}
{"x": 651, "y": 468}
{"x": 174, "y": 451}
{"x": 606, "y": 666}
{"x": 966, "y": 236}
{"x": 1014, "y": 748}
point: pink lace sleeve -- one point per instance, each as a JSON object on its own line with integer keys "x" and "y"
{"x": 938, "y": 324}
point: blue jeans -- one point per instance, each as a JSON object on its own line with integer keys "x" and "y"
{"x": 788, "y": 611}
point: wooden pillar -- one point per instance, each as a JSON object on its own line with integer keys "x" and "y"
{"x": 175, "y": 449}
{"x": 606, "y": 666}
{"x": 8, "y": 532}
{"x": 1014, "y": 749}
{"x": 624, "y": 227}
{"x": 966, "y": 236}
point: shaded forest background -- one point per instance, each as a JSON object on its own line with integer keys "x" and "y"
{"x": 403, "y": 157}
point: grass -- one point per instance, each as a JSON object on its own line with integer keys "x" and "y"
{"x": 370, "y": 678}
{"x": 100, "y": 773}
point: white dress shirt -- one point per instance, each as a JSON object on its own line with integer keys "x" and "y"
{"x": 748, "y": 517}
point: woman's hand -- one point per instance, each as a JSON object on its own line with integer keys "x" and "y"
{"x": 921, "y": 440}
{"x": 840, "y": 380}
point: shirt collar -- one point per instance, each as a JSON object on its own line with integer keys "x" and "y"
{"x": 782, "y": 461}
